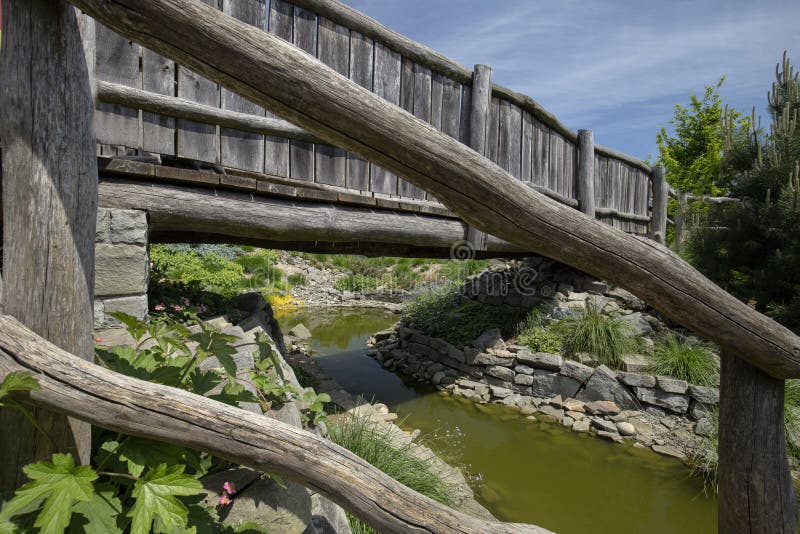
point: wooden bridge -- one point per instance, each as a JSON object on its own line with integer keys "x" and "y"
{"x": 149, "y": 105}
{"x": 50, "y": 197}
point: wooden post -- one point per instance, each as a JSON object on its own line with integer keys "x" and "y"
{"x": 49, "y": 207}
{"x": 586, "y": 171}
{"x": 479, "y": 115}
{"x": 658, "y": 223}
{"x": 756, "y": 494}
{"x": 680, "y": 221}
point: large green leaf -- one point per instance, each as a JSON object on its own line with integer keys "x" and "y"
{"x": 135, "y": 327}
{"x": 211, "y": 343}
{"x": 99, "y": 515}
{"x": 155, "y": 495}
{"x": 233, "y": 393}
{"x": 19, "y": 381}
{"x": 55, "y": 486}
{"x": 139, "y": 453}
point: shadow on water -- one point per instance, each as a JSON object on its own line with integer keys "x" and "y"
{"x": 521, "y": 471}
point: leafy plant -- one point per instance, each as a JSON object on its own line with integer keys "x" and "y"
{"x": 607, "y": 338}
{"x": 19, "y": 381}
{"x": 360, "y": 435}
{"x": 314, "y": 407}
{"x": 694, "y": 363}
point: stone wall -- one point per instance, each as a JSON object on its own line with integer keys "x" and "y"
{"x": 121, "y": 265}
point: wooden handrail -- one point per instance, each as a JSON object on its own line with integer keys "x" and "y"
{"x": 273, "y": 73}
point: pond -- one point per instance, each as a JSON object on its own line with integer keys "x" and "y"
{"x": 521, "y": 471}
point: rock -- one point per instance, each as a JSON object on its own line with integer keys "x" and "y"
{"x": 667, "y": 450}
{"x": 500, "y": 392}
{"x": 574, "y": 405}
{"x": 638, "y": 323}
{"x": 557, "y": 402}
{"x": 300, "y": 332}
{"x": 565, "y": 386}
{"x": 671, "y": 401}
{"x": 602, "y": 424}
{"x": 704, "y": 427}
{"x": 540, "y": 360}
{"x": 328, "y": 517}
{"x": 704, "y": 395}
{"x": 611, "y": 436}
{"x": 492, "y": 358}
{"x": 595, "y": 286}
{"x": 437, "y": 378}
{"x": 542, "y": 384}
{"x": 136, "y": 306}
{"x": 523, "y": 380}
{"x": 503, "y": 373}
{"x": 528, "y": 410}
{"x": 576, "y": 371}
{"x": 698, "y": 411}
{"x": 582, "y": 426}
{"x": 523, "y": 369}
{"x": 672, "y": 385}
{"x": 577, "y": 416}
{"x": 490, "y": 339}
{"x": 626, "y": 429}
{"x": 602, "y": 408}
{"x": 635, "y": 363}
{"x": 384, "y": 334}
{"x": 120, "y": 270}
{"x": 603, "y": 385}
{"x": 128, "y": 226}
{"x": 551, "y": 412}
{"x": 512, "y": 399}
{"x": 629, "y": 299}
{"x": 636, "y": 379}
{"x": 669, "y": 421}
{"x": 250, "y": 302}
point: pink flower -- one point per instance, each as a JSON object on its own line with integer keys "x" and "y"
{"x": 177, "y": 307}
{"x": 223, "y": 500}
{"x": 229, "y": 488}
{"x": 159, "y": 307}
{"x": 201, "y": 308}
{"x": 98, "y": 340}
{"x": 186, "y": 301}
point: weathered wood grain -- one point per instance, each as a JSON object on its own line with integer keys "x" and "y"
{"x": 312, "y": 96}
{"x": 437, "y": 95}
{"x": 243, "y": 150}
{"x": 541, "y": 154}
{"x": 362, "y": 51}
{"x": 527, "y": 148}
{"x": 451, "y": 107}
{"x": 586, "y": 172}
{"x": 658, "y": 228}
{"x": 49, "y": 173}
{"x": 423, "y": 87}
{"x": 301, "y": 154}
{"x": 280, "y": 22}
{"x": 493, "y": 130}
{"x": 333, "y": 49}
{"x": 158, "y": 77}
{"x": 387, "y": 84}
{"x": 118, "y": 62}
{"x": 480, "y": 102}
{"x": 756, "y": 492}
{"x": 138, "y": 408}
{"x": 509, "y": 150}
{"x": 465, "y": 123}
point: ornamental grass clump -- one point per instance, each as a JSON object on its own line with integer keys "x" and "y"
{"x": 538, "y": 334}
{"x": 694, "y": 363}
{"x": 606, "y": 338}
{"x": 373, "y": 444}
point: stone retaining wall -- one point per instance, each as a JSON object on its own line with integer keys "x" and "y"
{"x": 121, "y": 265}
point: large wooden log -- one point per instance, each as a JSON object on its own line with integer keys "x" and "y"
{"x": 49, "y": 207}
{"x": 478, "y": 117}
{"x": 756, "y": 493}
{"x": 135, "y": 407}
{"x": 175, "y": 208}
{"x": 271, "y": 72}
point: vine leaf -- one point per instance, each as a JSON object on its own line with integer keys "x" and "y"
{"x": 138, "y": 453}
{"x": 219, "y": 345}
{"x": 57, "y": 484}
{"x": 99, "y": 515}
{"x": 19, "y": 381}
{"x": 155, "y": 495}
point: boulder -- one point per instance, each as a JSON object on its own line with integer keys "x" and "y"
{"x": 636, "y": 379}
{"x": 549, "y": 412}
{"x": 565, "y": 386}
{"x": 672, "y": 385}
{"x": 703, "y": 394}
{"x": 602, "y": 408}
{"x": 602, "y": 424}
{"x": 543, "y": 384}
{"x": 638, "y": 323}
{"x": 504, "y": 358}
{"x": 120, "y": 270}
{"x": 500, "y": 392}
{"x": 626, "y": 297}
{"x": 626, "y": 429}
{"x": 523, "y": 380}
{"x": 704, "y": 427}
{"x": 300, "y": 332}
{"x": 603, "y": 385}
{"x": 610, "y": 436}
{"x": 437, "y": 378}
{"x": 503, "y": 373}
{"x": 250, "y": 302}
{"x": 490, "y": 339}
{"x": 523, "y": 369}
{"x": 671, "y": 401}
{"x": 576, "y": 371}
{"x": 666, "y": 450}
{"x": 540, "y": 360}
{"x": 582, "y": 425}
{"x": 574, "y": 405}
{"x": 635, "y": 363}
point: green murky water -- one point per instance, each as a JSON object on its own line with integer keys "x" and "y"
{"x": 521, "y": 471}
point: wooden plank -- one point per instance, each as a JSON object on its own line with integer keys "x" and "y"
{"x": 479, "y": 114}
{"x": 49, "y": 208}
{"x": 541, "y": 155}
{"x": 556, "y": 161}
{"x": 526, "y": 150}
{"x": 756, "y": 491}
{"x": 387, "y": 85}
{"x": 196, "y": 140}
{"x": 407, "y": 94}
{"x": 451, "y": 107}
{"x": 437, "y": 95}
{"x": 333, "y": 49}
{"x": 570, "y": 168}
{"x": 586, "y": 172}
{"x": 158, "y": 76}
{"x": 301, "y": 160}
{"x": 422, "y": 110}
{"x": 493, "y": 130}
{"x": 276, "y": 149}
{"x": 243, "y": 150}
{"x": 510, "y": 139}
{"x": 465, "y": 126}
{"x": 362, "y": 51}
{"x": 658, "y": 226}
{"x": 118, "y": 62}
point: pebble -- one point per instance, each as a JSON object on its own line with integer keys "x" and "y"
{"x": 626, "y": 429}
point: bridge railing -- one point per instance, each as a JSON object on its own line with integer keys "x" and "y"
{"x": 518, "y": 134}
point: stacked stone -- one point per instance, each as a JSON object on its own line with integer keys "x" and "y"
{"x": 121, "y": 265}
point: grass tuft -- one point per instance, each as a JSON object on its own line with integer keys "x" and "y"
{"x": 694, "y": 363}
{"x": 606, "y": 338}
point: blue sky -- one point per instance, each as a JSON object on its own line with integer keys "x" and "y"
{"x": 616, "y": 67}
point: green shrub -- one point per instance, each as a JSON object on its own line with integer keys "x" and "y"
{"x": 694, "y": 363}
{"x": 361, "y": 436}
{"x": 459, "y": 270}
{"x": 606, "y": 338}
{"x": 211, "y": 271}
{"x": 539, "y": 334}
{"x": 297, "y": 279}
{"x": 357, "y": 282}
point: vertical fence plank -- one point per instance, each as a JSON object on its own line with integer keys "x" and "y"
{"x": 658, "y": 224}
{"x": 422, "y": 110}
{"x": 158, "y": 76}
{"x": 387, "y": 85}
{"x": 756, "y": 493}
{"x": 541, "y": 154}
{"x": 49, "y": 172}
{"x": 117, "y": 62}
{"x": 451, "y": 107}
{"x": 465, "y": 121}
{"x": 407, "y": 85}
{"x": 437, "y": 95}
{"x": 361, "y": 72}
{"x": 301, "y": 164}
{"x": 586, "y": 173}
{"x": 556, "y": 156}
{"x": 333, "y": 49}
{"x": 276, "y": 149}
{"x": 479, "y": 114}
{"x": 493, "y": 130}
{"x": 197, "y": 140}
{"x": 243, "y": 150}
{"x": 570, "y": 168}
{"x": 527, "y": 147}
{"x": 510, "y": 139}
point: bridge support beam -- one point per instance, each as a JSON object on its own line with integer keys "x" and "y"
{"x": 478, "y": 117}
{"x": 658, "y": 222}
{"x": 586, "y": 172}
